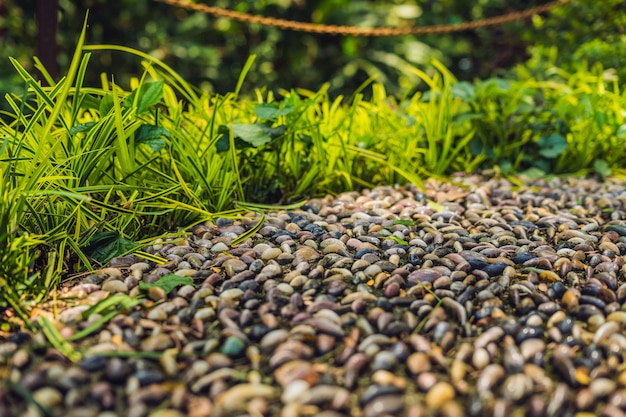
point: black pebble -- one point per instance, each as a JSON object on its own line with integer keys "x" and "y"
{"x": 93, "y": 363}
{"x": 520, "y": 258}
{"x": 528, "y": 332}
{"x": 495, "y": 269}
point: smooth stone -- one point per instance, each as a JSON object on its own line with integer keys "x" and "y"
{"x": 48, "y": 397}
{"x": 219, "y": 247}
{"x": 516, "y": 386}
{"x": 271, "y": 253}
{"x": 439, "y": 394}
{"x": 167, "y": 413}
{"x": 305, "y": 254}
{"x": 157, "y": 343}
{"x": 233, "y": 294}
{"x": 237, "y": 397}
{"x": 115, "y": 286}
{"x": 234, "y": 266}
{"x": 148, "y": 377}
{"x": 115, "y": 370}
{"x": 384, "y": 405}
{"x": 157, "y": 315}
{"x": 294, "y": 391}
{"x": 384, "y": 360}
{"x": 602, "y": 387}
{"x": 205, "y": 314}
{"x": 233, "y": 347}
{"x": 73, "y": 314}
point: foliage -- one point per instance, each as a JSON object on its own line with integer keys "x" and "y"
{"x": 167, "y": 283}
{"x": 582, "y": 32}
{"x": 208, "y": 52}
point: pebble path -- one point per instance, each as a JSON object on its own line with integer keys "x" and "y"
{"x": 476, "y": 297}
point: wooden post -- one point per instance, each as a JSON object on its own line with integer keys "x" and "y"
{"x": 3, "y": 15}
{"x": 47, "y": 37}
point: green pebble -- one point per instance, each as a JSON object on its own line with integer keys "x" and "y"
{"x": 233, "y": 347}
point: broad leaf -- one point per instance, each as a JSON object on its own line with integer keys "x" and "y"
{"x": 460, "y": 118}
{"x": 80, "y": 128}
{"x": 254, "y": 135}
{"x": 463, "y": 90}
{"x": 534, "y": 173}
{"x": 148, "y": 95}
{"x": 153, "y": 136}
{"x": 167, "y": 283}
{"x": 552, "y": 146}
{"x": 506, "y": 167}
{"x": 621, "y": 132}
{"x": 525, "y": 108}
{"x": 601, "y": 167}
{"x": 105, "y": 246}
{"x": 267, "y": 111}
{"x": 106, "y": 104}
{"x": 247, "y": 136}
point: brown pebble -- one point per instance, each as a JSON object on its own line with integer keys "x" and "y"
{"x": 156, "y": 293}
{"x": 570, "y": 300}
{"x": 418, "y": 362}
{"x": 439, "y": 394}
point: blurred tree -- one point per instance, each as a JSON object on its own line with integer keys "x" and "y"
{"x": 209, "y": 52}
{"x": 46, "y": 35}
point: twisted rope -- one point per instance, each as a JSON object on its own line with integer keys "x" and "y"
{"x": 360, "y": 31}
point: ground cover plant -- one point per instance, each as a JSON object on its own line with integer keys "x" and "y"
{"x": 91, "y": 172}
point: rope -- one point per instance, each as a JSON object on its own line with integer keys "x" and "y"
{"x": 360, "y": 31}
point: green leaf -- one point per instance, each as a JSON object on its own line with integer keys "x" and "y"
{"x": 248, "y": 136}
{"x": 534, "y": 172}
{"x": 552, "y": 146}
{"x": 600, "y": 118}
{"x": 90, "y": 102}
{"x": 254, "y": 135}
{"x": 463, "y": 90}
{"x": 58, "y": 341}
{"x": 167, "y": 283}
{"x": 148, "y": 95}
{"x": 460, "y": 118}
{"x": 105, "y": 246}
{"x": 152, "y": 136}
{"x": 114, "y": 302}
{"x": 478, "y": 149}
{"x": 397, "y": 239}
{"x": 106, "y": 104}
{"x": 80, "y": 128}
{"x": 275, "y": 132}
{"x": 404, "y": 222}
{"x": 266, "y": 111}
{"x": 499, "y": 84}
{"x": 506, "y": 167}
{"x": 621, "y": 132}
{"x": 601, "y": 167}
{"x": 525, "y": 108}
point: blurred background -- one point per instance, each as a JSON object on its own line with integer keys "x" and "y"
{"x": 210, "y": 52}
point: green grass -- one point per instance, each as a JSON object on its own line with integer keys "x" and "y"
{"x": 90, "y": 172}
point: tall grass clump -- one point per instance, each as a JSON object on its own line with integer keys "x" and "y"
{"x": 88, "y": 171}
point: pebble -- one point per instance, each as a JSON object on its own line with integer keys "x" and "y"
{"x": 115, "y": 286}
{"x": 439, "y": 394}
{"x": 473, "y": 297}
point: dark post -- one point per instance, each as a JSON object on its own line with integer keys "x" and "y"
{"x": 47, "y": 37}
{"x": 3, "y": 15}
